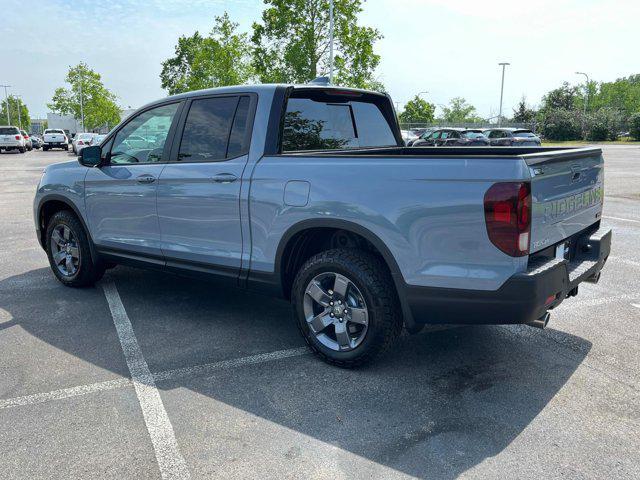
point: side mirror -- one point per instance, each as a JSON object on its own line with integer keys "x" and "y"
{"x": 90, "y": 156}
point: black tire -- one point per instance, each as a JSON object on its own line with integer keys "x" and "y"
{"x": 89, "y": 271}
{"x": 22, "y": 149}
{"x": 369, "y": 274}
{"x": 66, "y": 147}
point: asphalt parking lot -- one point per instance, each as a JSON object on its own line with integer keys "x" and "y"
{"x": 151, "y": 375}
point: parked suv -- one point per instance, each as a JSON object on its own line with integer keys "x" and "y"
{"x": 512, "y": 137}
{"x": 27, "y": 140}
{"x": 308, "y": 193}
{"x": 11, "y": 139}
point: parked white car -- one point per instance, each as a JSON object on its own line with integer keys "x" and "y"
{"x": 11, "y": 139}
{"x": 408, "y": 136}
{"x": 55, "y": 138}
{"x": 82, "y": 140}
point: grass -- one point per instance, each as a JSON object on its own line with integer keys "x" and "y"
{"x": 622, "y": 141}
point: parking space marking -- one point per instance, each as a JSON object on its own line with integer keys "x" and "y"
{"x": 64, "y": 393}
{"x": 621, "y": 219}
{"x": 208, "y": 368}
{"x": 170, "y": 460}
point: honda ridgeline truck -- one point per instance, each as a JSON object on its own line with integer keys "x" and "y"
{"x": 308, "y": 192}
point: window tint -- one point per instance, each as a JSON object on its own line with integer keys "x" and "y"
{"x": 206, "y": 131}
{"x": 8, "y": 131}
{"x": 435, "y": 135}
{"x": 320, "y": 125}
{"x": 524, "y": 133}
{"x": 142, "y": 139}
{"x": 239, "y": 139}
{"x": 444, "y": 135}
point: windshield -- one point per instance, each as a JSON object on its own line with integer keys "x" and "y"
{"x": 317, "y": 120}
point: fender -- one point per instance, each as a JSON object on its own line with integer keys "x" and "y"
{"x": 273, "y": 281}
{"x": 41, "y": 229}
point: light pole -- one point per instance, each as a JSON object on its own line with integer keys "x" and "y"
{"x": 586, "y": 98}
{"x": 19, "y": 102}
{"x": 420, "y": 93}
{"x": 504, "y": 65}
{"x": 6, "y": 96}
{"x": 81, "y": 103}
{"x": 331, "y": 41}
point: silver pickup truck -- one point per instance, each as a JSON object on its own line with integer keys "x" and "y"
{"x": 308, "y": 192}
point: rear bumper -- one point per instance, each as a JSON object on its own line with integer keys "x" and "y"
{"x": 522, "y": 298}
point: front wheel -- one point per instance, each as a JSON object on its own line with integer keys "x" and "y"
{"x": 346, "y": 306}
{"x": 69, "y": 251}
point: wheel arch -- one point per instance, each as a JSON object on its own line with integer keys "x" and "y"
{"x": 48, "y": 206}
{"x": 287, "y": 245}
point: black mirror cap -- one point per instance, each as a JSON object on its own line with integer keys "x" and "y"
{"x": 90, "y": 156}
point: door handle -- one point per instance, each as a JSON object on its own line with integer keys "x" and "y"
{"x": 224, "y": 178}
{"x": 146, "y": 178}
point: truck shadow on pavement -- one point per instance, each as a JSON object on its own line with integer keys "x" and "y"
{"x": 440, "y": 403}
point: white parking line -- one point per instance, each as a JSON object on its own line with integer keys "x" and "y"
{"x": 64, "y": 393}
{"x": 170, "y": 460}
{"x": 195, "y": 371}
{"x": 621, "y": 219}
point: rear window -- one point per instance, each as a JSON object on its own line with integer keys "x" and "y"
{"x": 318, "y": 124}
{"x": 8, "y": 131}
{"x": 472, "y": 135}
{"x": 54, "y": 131}
{"x": 524, "y": 133}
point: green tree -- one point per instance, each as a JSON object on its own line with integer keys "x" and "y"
{"x": 562, "y": 124}
{"x": 23, "y": 120}
{"x": 417, "y": 110}
{"x": 563, "y": 97}
{"x": 222, "y": 58}
{"x": 524, "y": 114}
{"x": 603, "y": 124}
{"x": 291, "y": 43}
{"x": 459, "y": 111}
{"x": 634, "y": 122}
{"x": 98, "y": 103}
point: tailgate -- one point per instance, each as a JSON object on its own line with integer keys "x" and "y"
{"x": 567, "y": 190}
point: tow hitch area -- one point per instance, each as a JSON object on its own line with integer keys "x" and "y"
{"x": 541, "y": 322}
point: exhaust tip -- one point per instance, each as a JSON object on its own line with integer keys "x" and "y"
{"x": 541, "y": 322}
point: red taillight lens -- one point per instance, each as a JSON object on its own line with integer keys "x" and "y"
{"x": 80, "y": 142}
{"x": 18, "y": 137}
{"x": 507, "y": 213}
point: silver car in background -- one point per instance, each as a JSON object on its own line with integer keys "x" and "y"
{"x": 82, "y": 140}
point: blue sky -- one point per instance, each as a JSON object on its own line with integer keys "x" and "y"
{"x": 448, "y": 48}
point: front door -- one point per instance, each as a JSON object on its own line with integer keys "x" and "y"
{"x": 199, "y": 191}
{"x": 121, "y": 195}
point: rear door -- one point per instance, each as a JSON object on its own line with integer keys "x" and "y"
{"x": 567, "y": 189}
{"x": 199, "y": 191}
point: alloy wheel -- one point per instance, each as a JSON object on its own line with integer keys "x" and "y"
{"x": 335, "y": 311}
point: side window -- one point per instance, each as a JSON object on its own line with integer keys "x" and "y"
{"x": 454, "y": 135}
{"x": 142, "y": 139}
{"x": 444, "y": 135}
{"x": 493, "y": 134}
{"x": 239, "y": 139}
{"x": 207, "y": 129}
{"x": 435, "y": 135}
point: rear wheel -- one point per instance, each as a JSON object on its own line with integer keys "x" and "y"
{"x": 22, "y": 149}
{"x": 346, "y": 307}
{"x": 69, "y": 251}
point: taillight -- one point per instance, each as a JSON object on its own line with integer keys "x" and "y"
{"x": 18, "y": 137}
{"x": 507, "y": 213}
{"x": 80, "y": 142}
